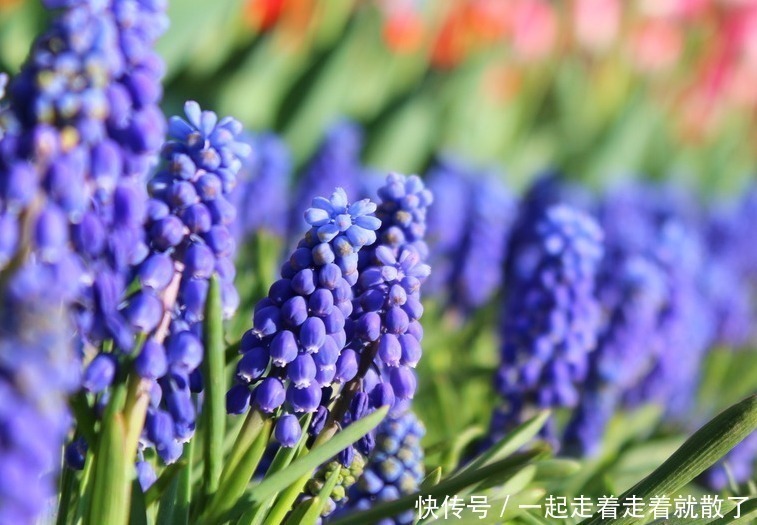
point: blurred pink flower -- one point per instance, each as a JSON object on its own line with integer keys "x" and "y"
{"x": 655, "y": 45}
{"x": 534, "y": 30}
{"x": 596, "y": 23}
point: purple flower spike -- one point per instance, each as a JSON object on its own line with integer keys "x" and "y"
{"x": 558, "y": 257}
{"x": 298, "y": 339}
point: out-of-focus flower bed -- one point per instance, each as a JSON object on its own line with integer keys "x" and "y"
{"x": 258, "y": 319}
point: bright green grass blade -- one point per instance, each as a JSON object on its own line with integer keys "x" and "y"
{"x": 700, "y": 451}
{"x": 158, "y": 489}
{"x": 306, "y": 464}
{"x": 138, "y": 510}
{"x": 514, "y": 440}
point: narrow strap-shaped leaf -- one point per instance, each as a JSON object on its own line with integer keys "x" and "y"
{"x": 214, "y": 409}
{"x": 281, "y": 460}
{"x": 306, "y": 464}
{"x": 167, "y": 505}
{"x": 248, "y": 433}
{"x": 234, "y": 486}
{"x": 453, "y": 485}
{"x": 320, "y": 454}
{"x": 68, "y": 487}
{"x": 432, "y": 478}
{"x": 700, "y": 451}
{"x": 317, "y": 504}
{"x": 158, "y": 489}
{"x": 184, "y": 487}
{"x": 109, "y": 499}
{"x": 556, "y": 468}
{"x": 514, "y": 440}
{"x": 747, "y": 513}
{"x": 138, "y": 509}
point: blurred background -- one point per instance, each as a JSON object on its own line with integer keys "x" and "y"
{"x": 602, "y": 88}
{"x": 601, "y": 92}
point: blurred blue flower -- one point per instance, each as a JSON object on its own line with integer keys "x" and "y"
{"x": 551, "y": 316}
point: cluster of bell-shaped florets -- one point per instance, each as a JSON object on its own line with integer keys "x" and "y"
{"x": 37, "y": 373}
{"x": 468, "y": 254}
{"x": 632, "y": 293}
{"x": 296, "y": 346}
{"x": 188, "y": 233}
{"x": 266, "y": 172}
{"x": 395, "y": 468}
{"x": 385, "y": 330}
{"x": 551, "y": 316}
{"x": 82, "y": 128}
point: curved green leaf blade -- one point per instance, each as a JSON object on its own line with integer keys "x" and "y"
{"x": 700, "y": 451}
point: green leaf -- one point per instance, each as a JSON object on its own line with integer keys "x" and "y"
{"x": 214, "y": 407}
{"x": 184, "y": 488}
{"x": 158, "y": 489}
{"x": 234, "y": 486}
{"x": 700, "y": 451}
{"x": 111, "y": 488}
{"x": 281, "y": 460}
{"x": 510, "y": 443}
{"x": 453, "y": 485}
{"x": 520, "y": 479}
{"x": 747, "y": 514}
{"x": 313, "y": 511}
{"x": 167, "y": 506}
{"x": 138, "y": 510}
{"x": 305, "y": 465}
{"x": 556, "y": 468}
{"x": 344, "y": 438}
{"x": 432, "y": 478}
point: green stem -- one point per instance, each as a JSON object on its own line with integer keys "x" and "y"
{"x": 246, "y": 437}
{"x": 214, "y": 411}
{"x": 67, "y": 489}
{"x": 184, "y": 492}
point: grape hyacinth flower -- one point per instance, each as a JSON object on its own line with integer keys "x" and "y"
{"x": 188, "y": 231}
{"x": 448, "y": 181}
{"x": 83, "y": 129}
{"x": 481, "y": 258}
{"x": 395, "y": 468}
{"x": 336, "y": 164}
{"x": 632, "y": 294}
{"x": 261, "y": 196}
{"x": 685, "y": 324}
{"x": 385, "y": 343}
{"x": 729, "y": 283}
{"x": 471, "y": 251}
{"x": 37, "y": 373}
{"x": 296, "y": 345}
{"x": 551, "y": 317}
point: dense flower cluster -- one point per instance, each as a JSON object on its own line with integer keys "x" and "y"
{"x": 83, "y": 129}
{"x": 37, "y": 372}
{"x": 395, "y": 468}
{"x": 189, "y": 215}
{"x": 470, "y": 252}
{"x": 550, "y": 318}
{"x": 296, "y": 345}
{"x": 632, "y": 294}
